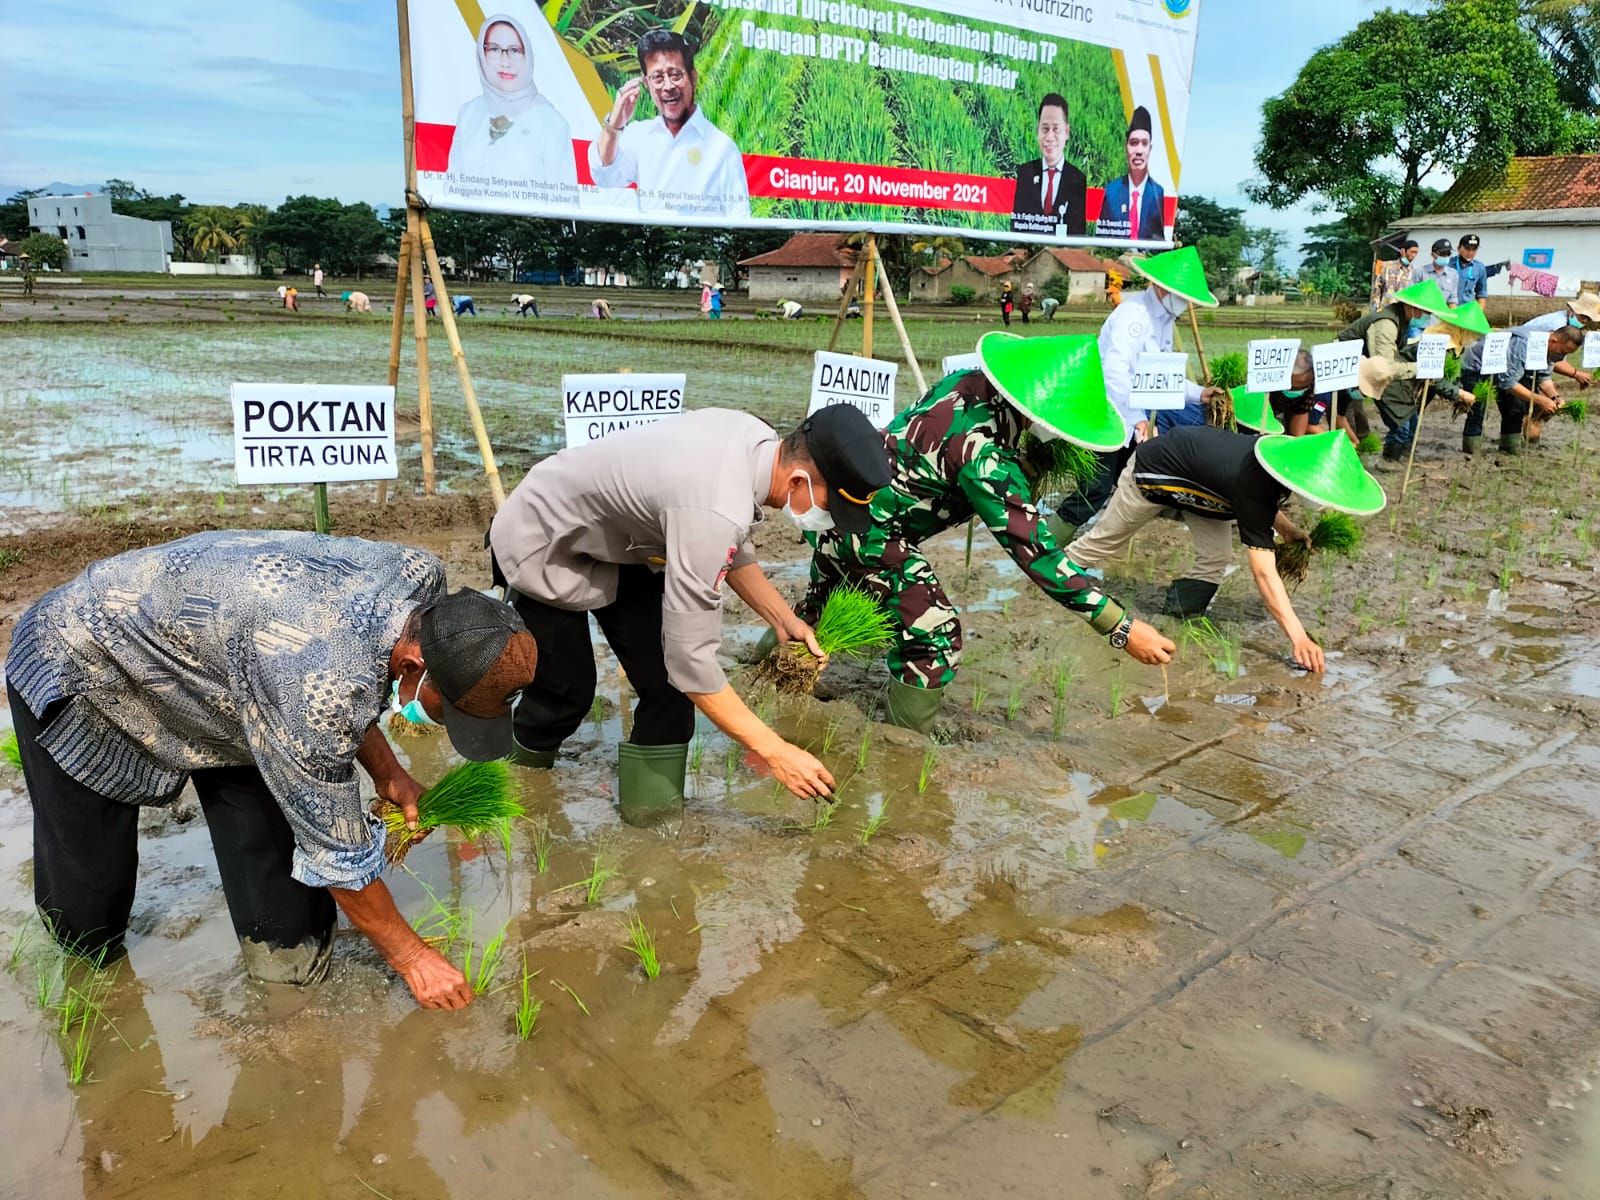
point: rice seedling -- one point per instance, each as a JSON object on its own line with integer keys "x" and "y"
{"x": 593, "y": 884}
{"x": 877, "y": 818}
{"x": 597, "y": 711}
{"x": 643, "y": 946}
{"x": 830, "y": 734}
{"x": 441, "y": 925}
{"x": 822, "y": 818}
{"x": 1335, "y": 532}
{"x": 1118, "y": 684}
{"x": 980, "y": 693}
{"x": 852, "y": 624}
{"x": 697, "y": 754}
{"x": 1576, "y": 409}
{"x": 527, "y": 1005}
{"x": 1370, "y": 444}
{"x": 476, "y": 798}
{"x": 481, "y": 975}
{"x": 576, "y": 999}
{"x": 1056, "y": 465}
{"x": 1013, "y": 702}
{"x": 9, "y": 750}
{"x": 864, "y": 748}
{"x": 1064, "y": 670}
{"x": 930, "y": 759}
{"x": 20, "y": 942}
{"x": 1221, "y": 651}
{"x": 540, "y": 840}
{"x": 730, "y": 762}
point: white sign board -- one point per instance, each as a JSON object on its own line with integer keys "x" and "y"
{"x": 1337, "y": 366}
{"x": 1431, "y": 351}
{"x": 596, "y": 405}
{"x": 1591, "y": 351}
{"x": 312, "y": 433}
{"x": 1271, "y": 363}
{"x": 1160, "y": 381}
{"x": 864, "y": 383}
{"x": 959, "y": 362}
{"x": 1538, "y": 358}
{"x": 1495, "y": 346}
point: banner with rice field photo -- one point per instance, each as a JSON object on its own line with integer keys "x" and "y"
{"x": 1058, "y": 121}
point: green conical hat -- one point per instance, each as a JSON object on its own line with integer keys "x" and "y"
{"x": 1324, "y": 469}
{"x": 1180, "y": 272}
{"x": 1056, "y": 382}
{"x": 1254, "y": 411}
{"x": 1467, "y": 316}
{"x": 1426, "y": 296}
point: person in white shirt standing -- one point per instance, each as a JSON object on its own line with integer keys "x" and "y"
{"x": 680, "y": 162}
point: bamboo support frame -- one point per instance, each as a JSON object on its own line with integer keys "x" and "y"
{"x": 1416, "y": 434}
{"x": 419, "y": 319}
{"x": 397, "y": 329}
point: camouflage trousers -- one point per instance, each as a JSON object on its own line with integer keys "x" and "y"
{"x": 892, "y": 569}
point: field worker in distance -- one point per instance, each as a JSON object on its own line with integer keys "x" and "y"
{"x": 1382, "y": 335}
{"x": 464, "y": 305}
{"x": 1218, "y": 478}
{"x": 316, "y": 279}
{"x": 1048, "y": 307}
{"x": 716, "y": 303}
{"x": 980, "y": 443}
{"x": 1520, "y": 394}
{"x": 525, "y": 304}
{"x": 791, "y": 310}
{"x": 680, "y": 161}
{"x": 510, "y": 131}
{"x": 641, "y": 528}
{"x": 357, "y": 302}
{"x": 255, "y": 666}
{"x": 1141, "y": 324}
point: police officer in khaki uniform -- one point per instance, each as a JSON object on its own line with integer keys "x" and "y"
{"x": 640, "y": 529}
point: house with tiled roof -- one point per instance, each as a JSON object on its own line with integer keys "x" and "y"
{"x": 1541, "y": 215}
{"x": 809, "y": 266}
{"x": 987, "y": 275}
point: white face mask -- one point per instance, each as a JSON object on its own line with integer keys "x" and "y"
{"x": 1175, "y": 304}
{"x": 815, "y": 519}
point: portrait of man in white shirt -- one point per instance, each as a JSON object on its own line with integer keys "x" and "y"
{"x": 679, "y": 161}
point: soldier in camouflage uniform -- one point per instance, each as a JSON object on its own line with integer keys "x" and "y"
{"x": 955, "y": 454}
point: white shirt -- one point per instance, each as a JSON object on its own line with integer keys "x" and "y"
{"x": 698, "y": 173}
{"x": 535, "y": 151}
{"x": 1139, "y": 325}
{"x": 791, "y": 309}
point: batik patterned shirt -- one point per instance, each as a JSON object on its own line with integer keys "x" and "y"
{"x": 229, "y": 649}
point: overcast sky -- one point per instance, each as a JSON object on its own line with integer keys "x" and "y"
{"x": 234, "y": 102}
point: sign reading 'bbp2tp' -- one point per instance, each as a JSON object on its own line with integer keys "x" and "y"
{"x": 312, "y": 433}
{"x": 595, "y": 406}
{"x": 864, "y": 383}
{"x": 1336, "y": 366}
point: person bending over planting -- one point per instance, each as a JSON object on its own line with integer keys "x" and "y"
{"x": 1524, "y": 397}
{"x": 1217, "y": 478}
{"x": 978, "y": 444}
{"x": 255, "y": 666}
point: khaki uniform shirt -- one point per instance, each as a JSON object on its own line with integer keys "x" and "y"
{"x": 679, "y": 496}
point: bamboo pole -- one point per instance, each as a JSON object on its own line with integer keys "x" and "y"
{"x": 419, "y": 320}
{"x": 397, "y": 328}
{"x": 866, "y": 300}
{"x": 1199, "y": 346}
{"x": 844, "y": 305}
{"x": 1416, "y": 435}
{"x": 900, "y": 328}
{"x": 474, "y": 413}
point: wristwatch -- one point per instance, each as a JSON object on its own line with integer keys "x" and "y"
{"x": 1118, "y": 637}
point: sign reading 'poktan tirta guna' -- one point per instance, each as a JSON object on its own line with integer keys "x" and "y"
{"x": 1057, "y": 121}
{"x": 864, "y": 383}
{"x": 312, "y": 433}
{"x": 594, "y": 406}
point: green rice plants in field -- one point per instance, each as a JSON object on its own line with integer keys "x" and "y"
{"x": 476, "y": 798}
{"x": 852, "y": 625}
{"x": 877, "y": 818}
{"x": 1013, "y": 702}
{"x": 21, "y": 940}
{"x": 541, "y": 841}
{"x": 593, "y": 884}
{"x": 441, "y": 926}
{"x": 864, "y": 748}
{"x": 1056, "y": 465}
{"x": 1220, "y": 650}
{"x": 1118, "y": 684}
{"x": 1063, "y": 681}
{"x": 1229, "y": 370}
{"x": 821, "y": 817}
{"x": 1370, "y": 444}
{"x": 930, "y": 759}
{"x": 576, "y": 999}
{"x": 481, "y": 966}
{"x": 643, "y": 946}
{"x": 980, "y": 693}
{"x": 697, "y": 754}
{"x": 830, "y": 734}
{"x": 527, "y": 1005}
{"x": 9, "y": 749}
{"x": 1335, "y": 532}
{"x": 729, "y": 764}
{"x": 597, "y": 711}
{"x": 1575, "y": 409}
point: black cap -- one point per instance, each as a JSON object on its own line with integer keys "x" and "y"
{"x": 1470, "y": 241}
{"x": 1141, "y": 120}
{"x": 1442, "y": 246}
{"x": 853, "y": 460}
{"x": 478, "y": 654}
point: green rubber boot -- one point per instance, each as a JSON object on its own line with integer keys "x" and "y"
{"x": 1471, "y": 445}
{"x": 650, "y": 782}
{"x": 537, "y": 760}
{"x": 1510, "y": 443}
{"x": 767, "y": 644}
{"x": 912, "y": 707}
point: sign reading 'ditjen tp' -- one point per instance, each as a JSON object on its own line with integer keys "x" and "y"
{"x": 312, "y": 433}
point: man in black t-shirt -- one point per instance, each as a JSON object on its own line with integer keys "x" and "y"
{"x": 1215, "y": 478}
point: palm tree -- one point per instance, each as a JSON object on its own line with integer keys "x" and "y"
{"x": 247, "y": 222}
{"x": 938, "y": 248}
{"x": 1568, "y": 32}
{"x": 211, "y": 230}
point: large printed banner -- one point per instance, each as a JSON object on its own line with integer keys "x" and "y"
{"x": 1042, "y": 120}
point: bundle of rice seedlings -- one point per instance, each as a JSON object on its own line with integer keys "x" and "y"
{"x": 9, "y": 750}
{"x": 1219, "y": 409}
{"x": 852, "y": 624}
{"x": 1056, "y": 465}
{"x": 476, "y": 798}
{"x": 1576, "y": 409}
{"x": 1335, "y": 532}
{"x": 1229, "y": 370}
{"x": 1370, "y": 444}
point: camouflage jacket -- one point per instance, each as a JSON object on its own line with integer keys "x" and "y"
{"x": 953, "y": 455}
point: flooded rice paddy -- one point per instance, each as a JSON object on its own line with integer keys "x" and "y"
{"x": 1220, "y": 931}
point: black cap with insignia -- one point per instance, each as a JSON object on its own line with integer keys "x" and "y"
{"x": 853, "y": 460}
{"x": 1470, "y": 241}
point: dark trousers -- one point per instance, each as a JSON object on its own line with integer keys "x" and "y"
{"x": 1092, "y": 496}
{"x": 564, "y": 683}
{"x": 86, "y": 858}
{"x": 1513, "y": 412}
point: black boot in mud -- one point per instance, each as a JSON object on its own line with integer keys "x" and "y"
{"x": 1188, "y": 597}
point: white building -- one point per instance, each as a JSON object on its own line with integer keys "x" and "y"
{"x": 1541, "y": 214}
{"x": 99, "y": 239}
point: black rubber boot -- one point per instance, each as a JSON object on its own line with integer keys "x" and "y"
{"x": 1393, "y": 453}
{"x": 1189, "y": 597}
{"x": 650, "y": 781}
{"x": 912, "y": 707}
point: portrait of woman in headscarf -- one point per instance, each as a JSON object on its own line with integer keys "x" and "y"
{"x": 511, "y": 132}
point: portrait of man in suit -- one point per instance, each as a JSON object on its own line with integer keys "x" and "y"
{"x": 1050, "y": 190}
{"x": 1133, "y": 204}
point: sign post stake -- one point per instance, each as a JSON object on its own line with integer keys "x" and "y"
{"x": 1199, "y": 346}
{"x": 1415, "y": 434}
{"x": 397, "y": 329}
{"x": 900, "y": 328}
{"x": 844, "y": 305}
{"x": 319, "y": 507}
{"x": 866, "y": 301}
{"x": 419, "y": 320}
